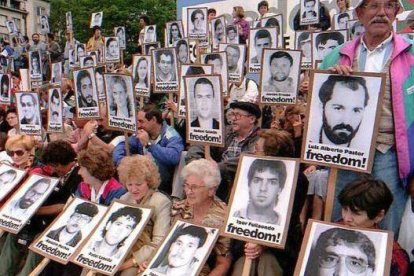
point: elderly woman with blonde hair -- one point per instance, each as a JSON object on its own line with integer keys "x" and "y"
{"x": 139, "y": 174}
{"x": 201, "y": 179}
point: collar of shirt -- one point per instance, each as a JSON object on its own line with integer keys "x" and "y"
{"x": 375, "y": 60}
{"x": 95, "y": 197}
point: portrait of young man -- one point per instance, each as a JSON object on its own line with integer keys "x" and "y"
{"x": 118, "y": 227}
{"x": 29, "y": 109}
{"x": 197, "y": 22}
{"x": 11, "y": 27}
{"x": 218, "y": 31}
{"x": 96, "y": 19}
{"x": 340, "y": 251}
{"x": 309, "y": 11}
{"x": 44, "y": 24}
{"x": 280, "y": 78}
{"x": 56, "y": 77}
{"x": 85, "y": 87}
{"x": 182, "y": 50}
{"x": 304, "y": 43}
{"x": 232, "y": 34}
{"x": 219, "y": 62}
{"x": 112, "y": 50}
{"x": 266, "y": 180}
{"x": 165, "y": 65}
{"x": 150, "y": 35}
{"x": 71, "y": 233}
{"x": 87, "y": 61}
{"x": 35, "y": 65}
{"x": 341, "y": 20}
{"x": 6, "y": 178}
{"x": 180, "y": 257}
{"x": 325, "y": 42}
{"x": 120, "y": 33}
{"x": 260, "y": 39}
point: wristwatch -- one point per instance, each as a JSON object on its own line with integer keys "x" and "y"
{"x": 90, "y": 136}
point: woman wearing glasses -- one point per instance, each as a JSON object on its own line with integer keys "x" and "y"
{"x": 201, "y": 179}
{"x": 141, "y": 178}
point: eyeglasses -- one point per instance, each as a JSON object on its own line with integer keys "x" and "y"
{"x": 193, "y": 188}
{"x": 375, "y": 7}
{"x": 27, "y": 104}
{"x": 11, "y": 153}
{"x": 239, "y": 115}
{"x": 353, "y": 264}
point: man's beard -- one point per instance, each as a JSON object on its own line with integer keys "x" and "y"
{"x": 341, "y": 137}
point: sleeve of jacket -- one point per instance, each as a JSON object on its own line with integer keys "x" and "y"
{"x": 119, "y": 151}
{"x": 170, "y": 153}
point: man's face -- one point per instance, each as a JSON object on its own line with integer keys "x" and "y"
{"x": 219, "y": 31}
{"x": 263, "y": 10}
{"x": 204, "y": 97}
{"x": 113, "y": 49}
{"x": 81, "y": 52}
{"x": 231, "y": 34}
{"x": 358, "y": 31}
{"x": 232, "y": 57}
{"x": 377, "y": 22}
{"x": 88, "y": 62}
{"x": 218, "y": 65}
{"x": 264, "y": 188}
{"x": 182, "y": 250}
{"x": 165, "y": 64}
{"x": 343, "y": 259}
{"x": 35, "y": 38}
{"x": 324, "y": 50}
{"x": 87, "y": 89}
{"x": 309, "y": 6}
{"x": 119, "y": 229}
{"x": 99, "y": 82}
{"x": 6, "y": 178}
{"x": 306, "y": 48}
{"x": 35, "y": 64}
{"x": 199, "y": 21}
{"x": 260, "y": 44}
{"x": 97, "y": 17}
{"x": 280, "y": 68}
{"x": 182, "y": 53}
{"x": 149, "y": 35}
{"x": 343, "y": 113}
{"x": 33, "y": 194}
{"x": 342, "y": 22}
{"x": 28, "y": 107}
{"x": 143, "y": 123}
{"x": 76, "y": 222}
{"x": 44, "y": 21}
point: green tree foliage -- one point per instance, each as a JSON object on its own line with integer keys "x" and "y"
{"x": 115, "y": 13}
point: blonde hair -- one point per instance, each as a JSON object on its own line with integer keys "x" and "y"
{"x": 206, "y": 170}
{"x": 20, "y": 140}
{"x": 139, "y": 168}
{"x": 239, "y": 11}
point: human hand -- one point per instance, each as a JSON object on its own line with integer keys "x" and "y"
{"x": 171, "y": 106}
{"x": 252, "y": 250}
{"x": 341, "y": 69}
{"x": 143, "y": 137}
{"x": 309, "y": 169}
{"x": 90, "y": 127}
{"x": 142, "y": 266}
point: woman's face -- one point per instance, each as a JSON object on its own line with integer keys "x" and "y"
{"x": 12, "y": 119}
{"x": 19, "y": 155}
{"x": 196, "y": 190}
{"x": 137, "y": 189}
{"x": 119, "y": 94}
{"x": 142, "y": 70}
{"x": 341, "y": 4}
{"x": 174, "y": 31}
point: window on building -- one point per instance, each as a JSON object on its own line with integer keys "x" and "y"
{"x": 3, "y": 3}
{"x": 40, "y": 11}
{"x": 15, "y": 4}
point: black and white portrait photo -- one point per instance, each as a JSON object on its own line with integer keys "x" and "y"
{"x": 309, "y": 12}
{"x": 80, "y": 52}
{"x": 236, "y": 57}
{"x": 35, "y": 65}
{"x": 325, "y": 42}
{"x": 22, "y": 205}
{"x": 332, "y": 249}
{"x": 148, "y": 47}
{"x": 174, "y": 32}
{"x": 197, "y": 26}
{"x": 182, "y": 50}
{"x": 150, "y": 34}
{"x": 120, "y": 102}
{"x": 341, "y": 20}
{"x": 44, "y": 24}
{"x": 343, "y": 116}
{"x": 69, "y": 230}
{"x": 184, "y": 250}
{"x": 10, "y": 176}
{"x": 86, "y": 93}
{"x": 112, "y": 238}
{"x": 280, "y": 76}
{"x": 69, "y": 22}
{"x": 87, "y": 61}
{"x": 232, "y": 34}
{"x": 219, "y": 62}
{"x": 5, "y": 88}
{"x": 141, "y": 72}
{"x": 259, "y": 39}
{"x": 56, "y": 77}
{"x": 120, "y": 33}
{"x": 72, "y": 58}
{"x": 55, "y": 110}
{"x": 274, "y": 21}
{"x": 190, "y": 70}
{"x": 112, "y": 50}
{"x": 218, "y": 31}
{"x": 204, "y": 109}
{"x": 165, "y": 70}
{"x": 28, "y": 109}
{"x": 261, "y": 199}
{"x": 96, "y": 19}
{"x": 355, "y": 29}
{"x": 303, "y": 42}
{"x": 11, "y": 27}
{"x": 99, "y": 71}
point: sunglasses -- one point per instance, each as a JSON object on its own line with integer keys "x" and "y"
{"x": 11, "y": 153}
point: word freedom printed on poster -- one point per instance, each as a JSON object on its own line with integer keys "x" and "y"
{"x": 112, "y": 239}
{"x": 68, "y": 231}
{"x": 343, "y": 119}
{"x": 267, "y": 182}
{"x": 25, "y": 201}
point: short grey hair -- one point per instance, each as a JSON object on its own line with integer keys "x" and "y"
{"x": 207, "y": 170}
